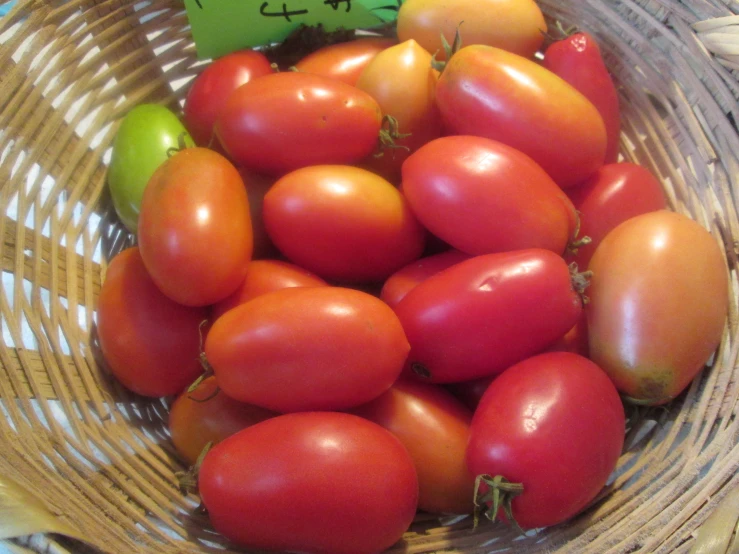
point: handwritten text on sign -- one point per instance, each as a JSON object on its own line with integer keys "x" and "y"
{"x": 223, "y": 26}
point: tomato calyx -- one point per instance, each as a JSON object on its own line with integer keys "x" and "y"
{"x": 187, "y": 481}
{"x": 449, "y": 50}
{"x": 576, "y": 243}
{"x": 499, "y": 493}
{"x": 181, "y": 145}
{"x": 389, "y": 133}
{"x": 207, "y": 371}
{"x": 580, "y": 281}
{"x": 561, "y": 32}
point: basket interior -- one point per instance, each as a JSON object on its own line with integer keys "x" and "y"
{"x": 100, "y": 457}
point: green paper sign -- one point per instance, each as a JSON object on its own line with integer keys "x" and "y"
{"x": 223, "y": 26}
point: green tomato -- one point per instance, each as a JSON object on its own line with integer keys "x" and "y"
{"x": 146, "y": 133}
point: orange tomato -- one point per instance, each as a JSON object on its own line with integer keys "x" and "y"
{"x": 206, "y": 416}
{"x": 488, "y": 92}
{"x": 403, "y": 82}
{"x": 346, "y": 60}
{"x": 434, "y": 427}
{"x": 264, "y": 276}
{"x": 513, "y": 25}
{"x": 658, "y": 303}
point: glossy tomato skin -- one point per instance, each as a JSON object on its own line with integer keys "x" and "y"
{"x": 615, "y": 193}
{"x": 344, "y": 223}
{"x": 492, "y": 93}
{"x": 285, "y": 121}
{"x": 206, "y": 416}
{"x": 554, "y": 423}
{"x": 406, "y": 278}
{"x": 142, "y": 141}
{"x": 577, "y": 59}
{"x": 403, "y": 82}
{"x": 210, "y": 90}
{"x": 484, "y": 314}
{"x": 346, "y": 60}
{"x": 150, "y": 342}
{"x": 434, "y": 428}
{"x": 307, "y": 348}
{"x": 514, "y": 25}
{"x": 482, "y": 196}
{"x": 658, "y": 304}
{"x": 263, "y": 276}
{"x": 195, "y": 229}
{"x": 353, "y": 483}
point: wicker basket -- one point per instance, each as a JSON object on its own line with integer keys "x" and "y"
{"x": 98, "y": 457}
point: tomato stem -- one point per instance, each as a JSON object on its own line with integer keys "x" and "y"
{"x": 449, "y": 50}
{"x": 499, "y": 494}
{"x": 188, "y": 480}
{"x": 181, "y": 145}
{"x": 389, "y": 133}
{"x": 580, "y": 281}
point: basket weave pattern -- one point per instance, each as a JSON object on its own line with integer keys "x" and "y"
{"x": 100, "y": 456}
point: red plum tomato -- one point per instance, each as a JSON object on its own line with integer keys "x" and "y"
{"x": 615, "y": 193}
{"x": 489, "y": 92}
{"x": 343, "y": 223}
{"x": 658, "y": 304}
{"x": 206, "y": 416}
{"x": 482, "y": 196}
{"x": 406, "y": 278}
{"x": 264, "y": 276}
{"x": 150, "y": 342}
{"x": 553, "y": 423}
{"x": 195, "y": 230}
{"x": 481, "y": 315}
{"x": 577, "y": 59}
{"x": 317, "y": 482}
{"x": 212, "y": 87}
{"x": 285, "y": 121}
{"x": 307, "y": 348}
{"x": 434, "y": 427}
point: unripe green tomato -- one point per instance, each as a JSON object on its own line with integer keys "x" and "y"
{"x": 139, "y": 148}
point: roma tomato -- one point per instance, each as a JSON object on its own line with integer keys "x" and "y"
{"x": 492, "y": 93}
{"x": 577, "y": 59}
{"x": 554, "y": 424}
{"x": 307, "y": 348}
{"x": 403, "y": 82}
{"x": 482, "y": 196}
{"x": 210, "y": 90}
{"x": 342, "y": 223}
{"x": 481, "y": 315}
{"x": 434, "y": 427}
{"x": 514, "y": 25}
{"x": 346, "y": 60}
{"x": 658, "y": 304}
{"x": 150, "y": 342}
{"x": 195, "y": 229}
{"x": 207, "y": 416}
{"x": 615, "y": 193}
{"x": 406, "y": 278}
{"x": 285, "y": 121}
{"x": 264, "y": 276}
{"x": 140, "y": 146}
{"x": 317, "y": 482}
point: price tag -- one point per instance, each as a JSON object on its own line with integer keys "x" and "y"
{"x": 223, "y": 26}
